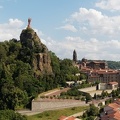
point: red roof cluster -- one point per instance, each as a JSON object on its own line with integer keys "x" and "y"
{"x": 112, "y": 111}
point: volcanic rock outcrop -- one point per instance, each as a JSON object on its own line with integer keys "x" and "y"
{"x": 41, "y": 61}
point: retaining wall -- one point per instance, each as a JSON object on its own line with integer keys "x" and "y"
{"x": 49, "y": 105}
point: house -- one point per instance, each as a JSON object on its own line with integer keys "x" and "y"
{"x": 110, "y": 85}
{"x": 111, "y": 111}
{"x": 98, "y": 70}
{"x": 68, "y": 118}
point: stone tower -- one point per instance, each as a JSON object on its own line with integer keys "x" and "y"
{"x": 74, "y": 56}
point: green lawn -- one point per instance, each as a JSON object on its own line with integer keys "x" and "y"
{"x": 55, "y": 114}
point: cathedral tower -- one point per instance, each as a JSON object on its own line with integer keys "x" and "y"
{"x": 74, "y": 56}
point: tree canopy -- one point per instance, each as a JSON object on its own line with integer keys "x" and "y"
{"x": 18, "y": 83}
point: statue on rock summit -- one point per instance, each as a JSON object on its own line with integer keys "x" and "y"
{"x": 29, "y": 21}
{"x": 33, "y": 48}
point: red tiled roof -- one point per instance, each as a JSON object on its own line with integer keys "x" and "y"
{"x": 114, "y": 105}
{"x": 98, "y": 62}
{"x": 117, "y": 115}
{"x": 62, "y": 117}
{"x": 104, "y": 72}
{"x": 94, "y": 76}
{"x": 66, "y": 118}
{"x": 71, "y": 118}
{"x": 113, "y": 83}
{"x": 114, "y": 113}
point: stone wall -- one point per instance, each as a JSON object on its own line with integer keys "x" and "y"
{"x": 54, "y": 104}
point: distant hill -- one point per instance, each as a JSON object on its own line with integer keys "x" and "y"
{"x": 114, "y": 64}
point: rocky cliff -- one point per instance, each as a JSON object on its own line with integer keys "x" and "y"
{"x": 41, "y": 61}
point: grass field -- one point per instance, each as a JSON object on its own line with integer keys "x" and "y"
{"x": 55, "y": 114}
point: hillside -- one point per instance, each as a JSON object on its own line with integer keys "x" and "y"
{"x": 28, "y": 68}
{"x": 114, "y": 64}
{"x": 35, "y": 51}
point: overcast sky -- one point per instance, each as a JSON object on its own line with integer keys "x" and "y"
{"x": 91, "y": 27}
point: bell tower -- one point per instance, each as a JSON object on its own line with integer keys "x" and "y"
{"x": 74, "y": 56}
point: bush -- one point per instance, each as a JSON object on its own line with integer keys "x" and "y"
{"x": 90, "y": 118}
{"x": 42, "y": 96}
{"x": 83, "y": 99}
{"x": 51, "y": 97}
{"x": 11, "y": 115}
{"x": 100, "y": 104}
{"x": 73, "y": 108}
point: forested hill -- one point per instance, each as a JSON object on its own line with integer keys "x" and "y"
{"x": 114, "y": 64}
{"x": 27, "y": 68}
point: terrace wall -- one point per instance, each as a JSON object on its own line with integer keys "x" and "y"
{"x": 55, "y": 104}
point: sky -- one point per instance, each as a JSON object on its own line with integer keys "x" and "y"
{"x": 91, "y": 27}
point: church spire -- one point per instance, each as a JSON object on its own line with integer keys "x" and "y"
{"x": 74, "y": 56}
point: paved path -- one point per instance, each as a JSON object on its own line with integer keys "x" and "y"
{"x": 57, "y": 92}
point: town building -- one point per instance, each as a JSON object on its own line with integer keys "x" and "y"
{"x": 74, "y": 56}
{"x": 111, "y": 111}
{"x": 110, "y": 85}
{"x": 98, "y": 71}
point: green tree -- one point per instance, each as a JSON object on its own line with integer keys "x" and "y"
{"x": 11, "y": 115}
{"x": 93, "y": 111}
{"x": 2, "y": 53}
{"x": 90, "y": 118}
{"x": 113, "y": 93}
{"x": 103, "y": 94}
{"x": 95, "y": 96}
{"x": 11, "y": 97}
{"x": 82, "y": 76}
{"x": 55, "y": 62}
{"x": 88, "y": 97}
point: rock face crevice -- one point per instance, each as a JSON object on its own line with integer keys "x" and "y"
{"x": 41, "y": 61}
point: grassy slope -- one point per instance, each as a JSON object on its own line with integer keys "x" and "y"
{"x": 55, "y": 114}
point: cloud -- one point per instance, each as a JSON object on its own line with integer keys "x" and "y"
{"x": 68, "y": 27}
{"x": 39, "y": 33}
{"x": 97, "y": 37}
{"x": 11, "y": 29}
{"x": 95, "y": 23}
{"x": 112, "y": 5}
{"x": 91, "y": 49}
